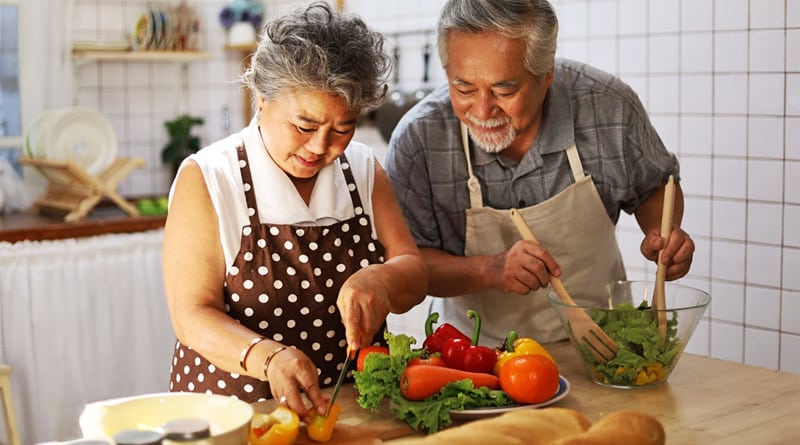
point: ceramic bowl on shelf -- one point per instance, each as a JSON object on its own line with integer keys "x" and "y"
{"x": 229, "y": 418}
{"x": 623, "y": 310}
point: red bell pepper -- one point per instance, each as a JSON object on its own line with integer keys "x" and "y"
{"x": 446, "y": 331}
{"x": 466, "y": 355}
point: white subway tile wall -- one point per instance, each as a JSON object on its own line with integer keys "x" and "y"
{"x": 721, "y": 80}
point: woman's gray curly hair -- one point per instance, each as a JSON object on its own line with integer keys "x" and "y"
{"x": 532, "y": 20}
{"x": 317, "y": 49}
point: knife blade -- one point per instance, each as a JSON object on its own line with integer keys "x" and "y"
{"x": 342, "y": 373}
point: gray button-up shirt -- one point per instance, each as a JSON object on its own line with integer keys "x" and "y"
{"x": 594, "y": 110}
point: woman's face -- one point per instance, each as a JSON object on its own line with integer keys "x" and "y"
{"x": 305, "y": 131}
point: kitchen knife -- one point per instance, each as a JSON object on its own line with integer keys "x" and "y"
{"x": 350, "y": 354}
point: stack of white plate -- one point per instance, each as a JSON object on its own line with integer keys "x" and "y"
{"x": 82, "y": 136}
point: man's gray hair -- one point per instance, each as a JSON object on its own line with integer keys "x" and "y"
{"x": 532, "y": 20}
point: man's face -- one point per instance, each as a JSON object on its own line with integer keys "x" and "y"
{"x": 492, "y": 92}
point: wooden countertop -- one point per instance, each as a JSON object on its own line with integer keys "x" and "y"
{"x": 101, "y": 221}
{"x": 705, "y": 401}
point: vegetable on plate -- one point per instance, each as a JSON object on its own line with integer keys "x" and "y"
{"x": 529, "y": 378}
{"x": 467, "y": 355}
{"x": 422, "y": 381}
{"x": 434, "y": 340}
{"x": 364, "y": 352}
{"x": 380, "y": 380}
{"x": 514, "y": 346}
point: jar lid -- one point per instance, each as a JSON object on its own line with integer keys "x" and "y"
{"x": 138, "y": 437}
{"x": 186, "y": 429}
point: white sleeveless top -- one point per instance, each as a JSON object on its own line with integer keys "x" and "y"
{"x": 277, "y": 198}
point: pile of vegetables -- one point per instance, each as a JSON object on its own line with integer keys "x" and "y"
{"x": 645, "y": 357}
{"x": 450, "y": 372}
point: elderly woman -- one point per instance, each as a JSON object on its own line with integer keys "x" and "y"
{"x": 284, "y": 244}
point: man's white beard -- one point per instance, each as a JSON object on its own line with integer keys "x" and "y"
{"x": 494, "y": 142}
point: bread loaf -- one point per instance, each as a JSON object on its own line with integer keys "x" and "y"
{"x": 550, "y": 426}
{"x": 621, "y": 428}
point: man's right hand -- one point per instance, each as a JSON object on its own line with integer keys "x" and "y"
{"x": 525, "y": 267}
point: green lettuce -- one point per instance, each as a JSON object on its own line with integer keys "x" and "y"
{"x": 635, "y": 330}
{"x": 380, "y": 380}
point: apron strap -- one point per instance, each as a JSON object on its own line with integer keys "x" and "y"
{"x": 575, "y": 163}
{"x": 474, "y": 187}
{"x": 351, "y": 184}
{"x": 247, "y": 183}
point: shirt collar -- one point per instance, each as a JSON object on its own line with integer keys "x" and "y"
{"x": 326, "y": 199}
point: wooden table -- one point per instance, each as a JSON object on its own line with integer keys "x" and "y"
{"x": 705, "y": 401}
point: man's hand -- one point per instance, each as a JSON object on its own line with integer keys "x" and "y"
{"x": 524, "y": 267}
{"x": 678, "y": 253}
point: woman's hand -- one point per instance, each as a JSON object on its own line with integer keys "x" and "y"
{"x": 291, "y": 372}
{"x": 364, "y": 304}
{"x": 677, "y": 255}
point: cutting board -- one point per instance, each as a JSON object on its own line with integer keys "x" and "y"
{"x": 356, "y": 425}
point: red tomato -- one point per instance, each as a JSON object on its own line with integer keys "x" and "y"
{"x": 529, "y": 378}
{"x": 364, "y": 352}
{"x": 434, "y": 360}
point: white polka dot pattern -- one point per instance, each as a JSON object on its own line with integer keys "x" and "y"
{"x": 283, "y": 285}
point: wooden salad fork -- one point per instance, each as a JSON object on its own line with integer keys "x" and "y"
{"x": 602, "y": 347}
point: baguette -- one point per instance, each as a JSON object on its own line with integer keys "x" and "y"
{"x": 621, "y": 428}
{"x": 519, "y": 427}
{"x": 550, "y": 426}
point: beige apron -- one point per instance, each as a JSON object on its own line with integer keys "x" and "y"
{"x": 573, "y": 225}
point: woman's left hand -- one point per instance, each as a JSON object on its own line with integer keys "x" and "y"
{"x": 678, "y": 252}
{"x": 290, "y": 373}
{"x": 364, "y": 304}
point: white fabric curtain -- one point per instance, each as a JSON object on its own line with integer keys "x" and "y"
{"x": 82, "y": 320}
{"x": 45, "y": 64}
{"x": 45, "y": 55}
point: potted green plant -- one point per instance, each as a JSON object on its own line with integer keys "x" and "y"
{"x": 181, "y": 142}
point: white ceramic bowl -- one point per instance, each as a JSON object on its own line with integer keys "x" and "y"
{"x": 229, "y": 418}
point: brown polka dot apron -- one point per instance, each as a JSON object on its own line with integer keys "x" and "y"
{"x": 283, "y": 285}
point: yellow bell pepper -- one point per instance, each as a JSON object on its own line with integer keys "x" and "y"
{"x": 515, "y": 346}
{"x": 653, "y": 373}
{"x": 321, "y": 427}
{"x": 276, "y": 428}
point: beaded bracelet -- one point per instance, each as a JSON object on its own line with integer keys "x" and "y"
{"x": 269, "y": 359}
{"x": 246, "y": 352}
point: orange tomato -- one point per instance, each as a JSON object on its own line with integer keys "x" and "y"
{"x": 433, "y": 360}
{"x": 364, "y": 352}
{"x": 529, "y": 378}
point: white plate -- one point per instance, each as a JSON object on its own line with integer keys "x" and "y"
{"x": 82, "y": 136}
{"x": 34, "y": 136}
{"x": 477, "y": 413}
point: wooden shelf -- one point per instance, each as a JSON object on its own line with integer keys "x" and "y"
{"x": 182, "y": 59}
{"x": 83, "y": 57}
{"x": 250, "y": 47}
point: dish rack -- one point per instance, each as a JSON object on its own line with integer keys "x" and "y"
{"x": 73, "y": 193}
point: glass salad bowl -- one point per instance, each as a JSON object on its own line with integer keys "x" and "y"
{"x": 622, "y": 309}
